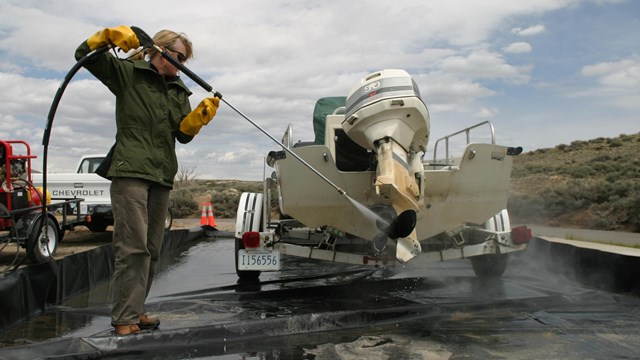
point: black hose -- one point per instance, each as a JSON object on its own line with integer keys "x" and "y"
{"x": 52, "y": 112}
{"x": 61, "y": 89}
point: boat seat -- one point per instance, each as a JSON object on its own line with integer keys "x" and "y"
{"x": 351, "y": 156}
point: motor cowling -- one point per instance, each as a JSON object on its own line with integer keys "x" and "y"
{"x": 387, "y": 104}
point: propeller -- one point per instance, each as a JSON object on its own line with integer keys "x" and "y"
{"x": 392, "y": 226}
{"x": 399, "y": 227}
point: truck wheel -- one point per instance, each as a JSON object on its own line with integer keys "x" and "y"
{"x": 41, "y": 245}
{"x": 248, "y": 218}
{"x": 97, "y": 225}
{"x": 168, "y": 221}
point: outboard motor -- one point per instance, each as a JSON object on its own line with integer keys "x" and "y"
{"x": 385, "y": 114}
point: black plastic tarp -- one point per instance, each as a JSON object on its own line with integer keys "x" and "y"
{"x": 26, "y": 292}
{"x": 313, "y": 309}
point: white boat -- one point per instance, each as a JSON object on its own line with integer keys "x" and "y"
{"x": 365, "y": 193}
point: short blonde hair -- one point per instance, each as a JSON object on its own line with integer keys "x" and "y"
{"x": 167, "y": 39}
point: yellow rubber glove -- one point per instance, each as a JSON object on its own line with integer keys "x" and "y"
{"x": 121, "y": 36}
{"x": 199, "y": 117}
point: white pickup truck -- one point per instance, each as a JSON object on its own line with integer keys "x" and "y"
{"x": 86, "y": 184}
{"x": 91, "y": 187}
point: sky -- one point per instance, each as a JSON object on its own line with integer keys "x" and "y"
{"x": 544, "y": 72}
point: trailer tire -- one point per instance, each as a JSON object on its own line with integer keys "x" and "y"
{"x": 489, "y": 266}
{"x": 492, "y": 266}
{"x": 40, "y": 250}
{"x": 168, "y": 221}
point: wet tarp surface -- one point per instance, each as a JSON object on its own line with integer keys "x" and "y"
{"x": 315, "y": 310}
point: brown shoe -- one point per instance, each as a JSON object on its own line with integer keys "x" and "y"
{"x": 148, "y": 323}
{"x": 126, "y": 329}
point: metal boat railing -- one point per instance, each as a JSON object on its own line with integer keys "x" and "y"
{"x": 465, "y": 131}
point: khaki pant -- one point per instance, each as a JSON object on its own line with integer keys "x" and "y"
{"x": 139, "y": 211}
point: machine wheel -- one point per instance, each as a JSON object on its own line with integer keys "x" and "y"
{"x": 168, "y": 221}
{"x": 492, "y": 265}
{"x": 41, "y": 245}
{"x": 248, "y": 218}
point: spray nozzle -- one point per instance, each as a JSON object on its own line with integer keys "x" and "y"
{"x": 145, "y": 40}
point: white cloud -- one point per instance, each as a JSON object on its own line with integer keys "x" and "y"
{"x": 518, "y": 48}
{"x": 530, "y": 31}
{"x": 225, "y": 157}
{"x": 618, "y": 83}
{"x": 623, "y": 74}
{"x": 486, "y": 113}
{"x": 445, "y": 91}
{"x": 483, "y": 64}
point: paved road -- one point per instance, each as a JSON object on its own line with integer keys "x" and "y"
{"x": 599, "y": 236}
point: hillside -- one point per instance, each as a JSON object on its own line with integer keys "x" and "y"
{"x": 587, "y": 184}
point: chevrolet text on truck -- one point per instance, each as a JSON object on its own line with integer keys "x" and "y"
{"x": 77, "y": 193}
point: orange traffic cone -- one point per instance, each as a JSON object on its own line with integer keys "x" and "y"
{"x": 210, "y": 219}
{"x": 203, "y": 217}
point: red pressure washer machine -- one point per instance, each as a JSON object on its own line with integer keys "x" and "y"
{"x": 24, "y": 220}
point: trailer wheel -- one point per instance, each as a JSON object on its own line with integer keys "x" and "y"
{"x": 168, "y": 221}
{"x": 41, "y": 245}
{"x": 491, "y": 266}
{"x": 248, "y": 218}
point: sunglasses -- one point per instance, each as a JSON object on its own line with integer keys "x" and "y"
{"x": 180, "y": 56}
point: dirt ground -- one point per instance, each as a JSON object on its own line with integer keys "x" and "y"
{"x": 81, "y": 239}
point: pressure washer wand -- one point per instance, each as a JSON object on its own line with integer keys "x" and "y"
{"x": 147, "y": 42}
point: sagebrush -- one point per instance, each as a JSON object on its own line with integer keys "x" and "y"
{"x": 589, "y": 184}
{"x": 224, "y": 196}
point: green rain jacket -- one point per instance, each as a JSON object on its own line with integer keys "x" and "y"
{"x": 149, "y": 110}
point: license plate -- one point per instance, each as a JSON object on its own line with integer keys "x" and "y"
{"x": 263, "y": 260}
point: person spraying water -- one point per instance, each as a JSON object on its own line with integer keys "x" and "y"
{"x": 152, "y": 113}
